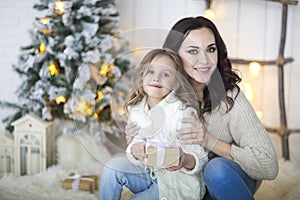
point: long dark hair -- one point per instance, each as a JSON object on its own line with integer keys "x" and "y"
{"x": 224, "y": 78}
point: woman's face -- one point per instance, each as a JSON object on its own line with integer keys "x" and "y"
{"x": 199, "y": 54}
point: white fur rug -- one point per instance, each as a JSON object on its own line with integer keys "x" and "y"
{"x": 43, "y": 186}
{"x": 85, "y": 155}
{"x": 75, "y": 154}
{"x": 285, "y": 186}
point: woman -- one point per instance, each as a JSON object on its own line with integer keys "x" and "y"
{"x": 240, "y": 150}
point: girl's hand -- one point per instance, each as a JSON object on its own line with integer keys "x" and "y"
{"x": 195, "y": 133}
{"x": 130, "y": 131}
{"x": 138, "y": 150}
{"x": 185, "y": 160}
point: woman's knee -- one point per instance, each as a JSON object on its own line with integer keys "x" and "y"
{"x": 216, "y": 169}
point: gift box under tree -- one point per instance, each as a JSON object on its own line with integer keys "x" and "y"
{"x": 84, "y": 182}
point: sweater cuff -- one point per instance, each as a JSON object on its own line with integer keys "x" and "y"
{"x": 196, "y": 167}
{"x": 131, "y": 158}
{"x": 234, "y": 151}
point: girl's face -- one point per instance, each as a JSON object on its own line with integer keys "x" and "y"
{"x": 199, "y": 54}
{"x": 159, "y": 79}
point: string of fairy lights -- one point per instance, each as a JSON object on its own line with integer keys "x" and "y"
{"x": 253, "y": 66}
{"x": 254, "y": 72}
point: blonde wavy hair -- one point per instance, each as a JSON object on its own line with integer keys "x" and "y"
{"x": 184, "y": 93}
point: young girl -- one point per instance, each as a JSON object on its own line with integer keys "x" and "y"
{"x": 160, "y": 99}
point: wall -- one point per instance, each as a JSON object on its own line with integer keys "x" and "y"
{"x": 16, "y": 18}
{"x": 250, "y": 28}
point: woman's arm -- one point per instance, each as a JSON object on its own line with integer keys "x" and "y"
{"x": 251, "y": 146}
{"x": 131, "y": 130}
{"x": 217, "y": 146}
{"x": 193, "y": 156}
{"x": 197, "y": 134}
{"x": 135, "y": 151}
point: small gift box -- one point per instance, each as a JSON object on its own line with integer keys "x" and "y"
{"x": 85, "y": 182}
{"x": 162, "y": 157}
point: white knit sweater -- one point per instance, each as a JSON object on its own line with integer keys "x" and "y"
{"x": 160, "y": 125}
{"x": 251, "y": 146}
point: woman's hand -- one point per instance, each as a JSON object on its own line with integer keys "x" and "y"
{"x": 130, "y": 131}
{"x": 195, "y": 133}
{"x": 138, "y": 150}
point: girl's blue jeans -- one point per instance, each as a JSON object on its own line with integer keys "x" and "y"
{"x": 224, "y": 180}
{"x": 118, "y": 172}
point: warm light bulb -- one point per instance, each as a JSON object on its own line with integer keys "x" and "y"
{"x": 96, "y": 116}
{"x": 100, "y": 96}
{"x": 122, "y": 94}
{"x": 42, "y": 48}
{"x": 89, "y": 111}
{"x": 47, "y": 31}
{"x": 259, "y": 114}
{"x": 209, "y": 13}
{"x": 81, "y": 106}
{"x": 104, "y": 69}
{"x": 53, "y": 69}
{"x": 117, "y": 40}
{"x": 248, "y": 90}
{"x": 44, "y": 20}
{"x": 121, "y": 111}
{"x": 59, "y": 7}
{"x": 254, "y": 69}
{"x": 60, "y": 99}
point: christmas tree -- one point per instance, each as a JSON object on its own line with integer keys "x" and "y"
{"x": 70, "y": 68}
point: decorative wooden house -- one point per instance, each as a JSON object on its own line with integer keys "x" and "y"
{"x": 6, "y": 153}
{"x": 34, "y": 145}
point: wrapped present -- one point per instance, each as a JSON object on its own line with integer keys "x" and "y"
{"x": 85, "y": 182}
{"x": 162, "y": 157}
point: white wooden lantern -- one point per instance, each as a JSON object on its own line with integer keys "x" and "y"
{"x": 6, "y": 153}
{"x": 34, "y": 145}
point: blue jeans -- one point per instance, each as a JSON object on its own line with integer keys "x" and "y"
{"x": 225, "y": 179}
{"x": 119, "y": 172}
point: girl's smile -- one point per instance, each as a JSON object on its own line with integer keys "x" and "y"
{"x": 159, "y": 79}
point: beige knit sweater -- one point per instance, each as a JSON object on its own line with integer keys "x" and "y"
{"x": 251, "y": 146}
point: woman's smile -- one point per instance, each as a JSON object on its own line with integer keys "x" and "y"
{"x": 199, "y": 54}
{"x": 202, "y": 70}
